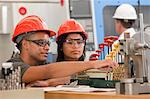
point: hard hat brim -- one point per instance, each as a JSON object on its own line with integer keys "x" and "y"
{"x": 129, "y": 18}
{"x": 49, "y": 32}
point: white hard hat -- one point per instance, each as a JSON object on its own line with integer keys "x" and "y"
{"x": 125, "y": 11}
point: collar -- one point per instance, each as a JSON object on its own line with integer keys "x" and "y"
{"x": 130, "y": 30}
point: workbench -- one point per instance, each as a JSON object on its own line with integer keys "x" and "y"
{"x": 91, "y": 95}
{"x": 38, "y": 93}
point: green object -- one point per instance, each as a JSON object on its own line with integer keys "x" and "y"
{"x": 101, "y": 83}
{"x": 97, "y": 82}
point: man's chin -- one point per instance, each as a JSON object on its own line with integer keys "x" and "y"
{"x": 43, "y": 59}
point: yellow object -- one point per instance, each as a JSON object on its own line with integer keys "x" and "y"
{"x": 108, "y": 57}
{"x": 116, "y": 45}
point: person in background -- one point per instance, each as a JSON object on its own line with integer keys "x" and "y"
{"x": 125, "y": 17}
{"x": 31, "y": 37}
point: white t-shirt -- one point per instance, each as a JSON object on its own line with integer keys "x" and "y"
{"x": 130, "y": 30}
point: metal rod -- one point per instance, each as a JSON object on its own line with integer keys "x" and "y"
{"x": 139, "y": 11}
{"x": 4, "y": 18}
{"x": 143, "y": 51}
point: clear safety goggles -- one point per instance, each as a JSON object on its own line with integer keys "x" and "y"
{"x": 72, "y": 42}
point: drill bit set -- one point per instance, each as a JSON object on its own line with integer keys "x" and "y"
{"x": 11, "y": 77}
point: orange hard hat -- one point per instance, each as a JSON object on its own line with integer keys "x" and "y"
{"x": 31, "y": 24}
{"x": 71, "y": 26}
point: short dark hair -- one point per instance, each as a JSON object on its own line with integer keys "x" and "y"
{"x": 60, "y": 41}
{"x": 19, "y": 39}
{"x": 126, "y": 23}
{"x": 19, "y": 46}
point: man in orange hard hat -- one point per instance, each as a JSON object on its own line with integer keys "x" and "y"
{"x": 31, "y": 36}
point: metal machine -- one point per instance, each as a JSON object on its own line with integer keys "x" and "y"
{"x": 136, "y": 49}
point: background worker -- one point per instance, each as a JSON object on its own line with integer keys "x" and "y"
{"x": 31, "y": 36}
{"x": 125, "y": 16}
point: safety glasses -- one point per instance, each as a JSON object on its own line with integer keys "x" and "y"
{"x": 40, "y": 42}
{"x": 75, "y": 41}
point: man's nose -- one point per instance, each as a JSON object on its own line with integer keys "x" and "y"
{"x": 46, "y": 47}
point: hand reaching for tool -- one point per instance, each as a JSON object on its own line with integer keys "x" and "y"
{"x": 105, "y": 65}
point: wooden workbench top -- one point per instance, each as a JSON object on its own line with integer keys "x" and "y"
{"x": 91, "y": 95}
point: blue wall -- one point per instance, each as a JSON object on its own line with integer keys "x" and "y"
{"x": 98, "y": 11}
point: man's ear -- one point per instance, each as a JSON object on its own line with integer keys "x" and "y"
{"x": 25, "y": 44}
